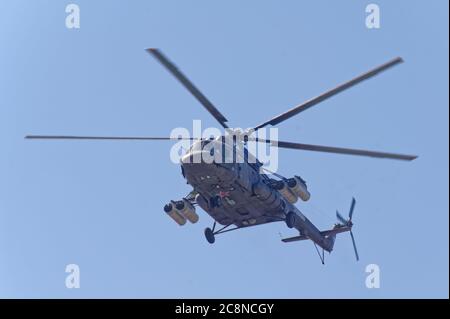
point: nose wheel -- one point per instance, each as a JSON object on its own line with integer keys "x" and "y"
{"x": 209, "y": 234}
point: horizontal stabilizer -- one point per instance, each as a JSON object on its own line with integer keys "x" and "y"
{"x": 295, "y": 238}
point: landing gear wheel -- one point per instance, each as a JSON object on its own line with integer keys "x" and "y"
{"x": 290, "y": 219}
{"x": 210, "y": 235}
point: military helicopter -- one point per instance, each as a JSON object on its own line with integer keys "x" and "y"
{"x": 240, "y": 194}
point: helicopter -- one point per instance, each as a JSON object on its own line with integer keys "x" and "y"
{"x": 240, "y": 193}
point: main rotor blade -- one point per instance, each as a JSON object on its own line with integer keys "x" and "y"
{"x": 189, "y": 86}
{"x": 337, "y": 150}
{"x": 131, "y": 138}
{"x": 306, "y": 105}
{"x": 352, "y": 207}
{"x": 354, "y": 246}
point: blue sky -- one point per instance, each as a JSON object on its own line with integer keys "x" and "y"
{"x": 99, "y": 204}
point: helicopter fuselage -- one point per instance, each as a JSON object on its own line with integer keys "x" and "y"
{"x": 238, "y": 194}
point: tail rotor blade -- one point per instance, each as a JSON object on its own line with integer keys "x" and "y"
{"x": 354, "y": 246}
{"x": 340, "y": 218}
{"x": 352, "y": 207}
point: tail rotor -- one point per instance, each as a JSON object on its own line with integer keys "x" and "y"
{"x": 348, "y": 223}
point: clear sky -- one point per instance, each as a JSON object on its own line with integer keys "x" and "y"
{"x": 100, "y": 204}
